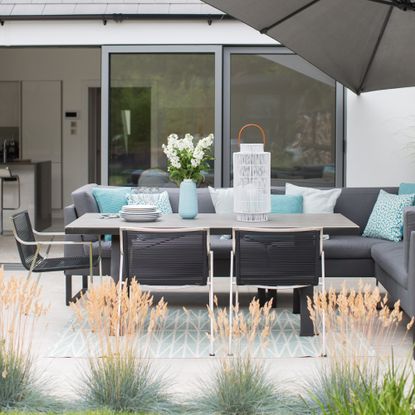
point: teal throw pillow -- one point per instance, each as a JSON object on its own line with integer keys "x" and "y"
{"x": 286, "y": 204}
{"x": 407, "y": 188}
{"x": 111, "y": 199}
{"x": 160, "y": 200}
{"x": 386, "y": 219}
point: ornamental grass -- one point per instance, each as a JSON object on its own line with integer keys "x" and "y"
{"x": 358, "y": 322}
{"x": 119, "y": 376}
{"x": 360, "y": 375}
{"x": 346, "y": 388}
{"x": 240, "y": 384}
{"x": 20, "y": 311}
{"x": 250, "y": 331}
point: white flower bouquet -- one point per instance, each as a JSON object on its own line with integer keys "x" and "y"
{"x": 186, "y": 160}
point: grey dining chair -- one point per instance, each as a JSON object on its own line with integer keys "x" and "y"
{"x": 168, "y": 258}
{"x": 29, "y": 249}
{"x": 272, "y": 258}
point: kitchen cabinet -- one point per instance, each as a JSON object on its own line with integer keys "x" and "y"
{"x": 42, "y": 129}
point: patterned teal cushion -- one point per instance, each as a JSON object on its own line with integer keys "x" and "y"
{"x": 407, "y": 188}
{"x": 111, "y": 200}
{"x": 160, "y": 200}
{"x": 286, "y": 204}
{"x": 386, "y": 219}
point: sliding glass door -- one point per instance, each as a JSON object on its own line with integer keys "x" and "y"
{"x": 293, "y": 102}
{"x": 152, "y": 94}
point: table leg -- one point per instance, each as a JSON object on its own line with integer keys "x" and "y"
{"x": 296, "y": 301}
{"x": 115, "y": 257}
{"x": 262, "y": 296}
{"x": 306, "y": 324}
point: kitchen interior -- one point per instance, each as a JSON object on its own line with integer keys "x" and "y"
{"x": 45, "y": 108}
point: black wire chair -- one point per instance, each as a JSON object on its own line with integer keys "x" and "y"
{"x": 30, "y": 254}
{"x": 173, "y": 258}
{"x": 278, "y": 258}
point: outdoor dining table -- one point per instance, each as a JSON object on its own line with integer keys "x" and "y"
{"x": 96, "y": 224}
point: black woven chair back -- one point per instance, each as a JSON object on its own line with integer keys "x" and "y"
{"x": 23, "y": 228}
{"x": 277, "y": 258}
{"x": 166, "y": 258}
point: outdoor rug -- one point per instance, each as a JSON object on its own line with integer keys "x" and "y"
{"x": 184, "y": 334}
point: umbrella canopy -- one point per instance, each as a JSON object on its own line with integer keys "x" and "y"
{"x": 366, "y": 45}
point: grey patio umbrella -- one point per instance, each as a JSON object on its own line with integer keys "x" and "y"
{"x": 366, "y": 45}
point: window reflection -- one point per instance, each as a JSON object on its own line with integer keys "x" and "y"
{"x": 295, "y": 104}
{"x": 152, "y": 96}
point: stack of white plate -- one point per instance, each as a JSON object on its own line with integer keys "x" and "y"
{"x": 139, "y": 213}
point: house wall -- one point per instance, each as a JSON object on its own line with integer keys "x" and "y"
{"x": 76, "y": 69}
{"x": 143, "y": 32}
{"x": 380, "y": 149}
{"x": 380, "y": 126}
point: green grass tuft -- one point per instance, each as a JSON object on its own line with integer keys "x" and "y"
{"x": 19, "y": 387}
{"x": 347, "y": 389}
{"x": 241, "y": 386}
{"x": 126, "y": 383}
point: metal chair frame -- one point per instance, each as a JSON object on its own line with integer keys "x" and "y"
{"x": 232, "y": 278}
{"x": 209, "y": 253}
{"x": 48, "y": 244}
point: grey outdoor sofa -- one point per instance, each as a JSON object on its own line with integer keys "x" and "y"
{"x": 347, "y": 255}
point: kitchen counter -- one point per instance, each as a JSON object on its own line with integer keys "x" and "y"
{"x": 35, "y": 192}
{"x": 21, "y": 162}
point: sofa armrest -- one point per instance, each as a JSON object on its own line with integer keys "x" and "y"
{"x": 408, "y": 228}
{"x": 69, "y": 215}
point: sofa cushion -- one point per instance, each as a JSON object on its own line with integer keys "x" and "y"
{"x": 356, "y": 203}
{"x": 84, "y": 201}
{"x": 349, "y": 246}
{"x": 386, "y": 219}
{"x": 406, "y": 188}
{"x": 221, "y": 246}
{"x": 286, "y": 204}
{"x": 109, "y": 199}
{"x": 204, "y": 200}
{"x": 160, "y": 199}
{"x": 390, "y": 257}
{"x": 222, "y": 199}
{"x": 315, "y": 200}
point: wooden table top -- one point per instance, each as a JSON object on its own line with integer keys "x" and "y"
{"x": 93, "y": 223}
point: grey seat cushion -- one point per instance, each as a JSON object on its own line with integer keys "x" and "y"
{"x": 349, "y": 246}
{"x": 221, "y": 247}
{"x": 105, "y": 249}
{"x": 390, "y": 257}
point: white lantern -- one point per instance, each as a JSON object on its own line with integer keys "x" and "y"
{"x": 252, "y": 180}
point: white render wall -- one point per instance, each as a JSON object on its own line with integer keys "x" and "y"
{"x": 380, "y": 138}
{"x": 142, "y": 32}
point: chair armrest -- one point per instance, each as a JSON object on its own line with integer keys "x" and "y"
{"x": 408, "y": 228}
{"x": 48, "y": 233}
{"x": 48, "y": 243}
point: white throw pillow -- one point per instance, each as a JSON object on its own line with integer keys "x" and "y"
{"x": 222, "y": 199}
{"x": 315, "y": 200}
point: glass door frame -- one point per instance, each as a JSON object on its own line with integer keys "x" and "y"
{"x": 106, "y": 51}
{"x": 278, "y": 50}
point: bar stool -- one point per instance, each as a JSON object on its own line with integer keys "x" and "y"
{"x": 6, "y": 176}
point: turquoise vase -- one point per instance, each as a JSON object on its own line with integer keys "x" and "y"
{"x": 188, "y": 199}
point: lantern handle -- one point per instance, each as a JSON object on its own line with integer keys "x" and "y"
{"x": 262, "y": 131}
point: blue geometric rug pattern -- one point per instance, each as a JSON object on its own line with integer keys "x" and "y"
{"x": 184, "y": 334}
